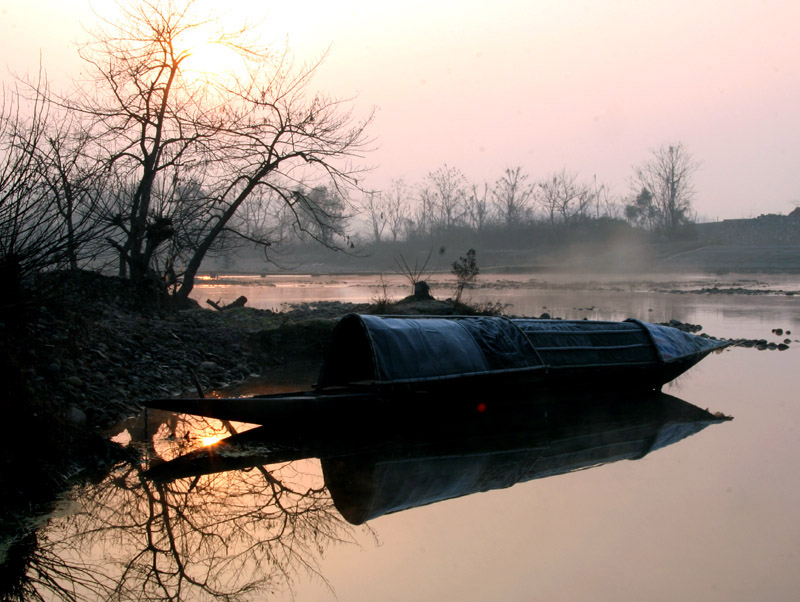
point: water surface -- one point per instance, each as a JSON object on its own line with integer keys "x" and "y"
{"x": 710, "y": 517}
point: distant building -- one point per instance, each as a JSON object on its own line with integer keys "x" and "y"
{"x": 767, "y": 229}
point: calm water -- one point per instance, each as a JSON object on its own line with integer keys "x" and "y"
{"x": 710, "y": 517}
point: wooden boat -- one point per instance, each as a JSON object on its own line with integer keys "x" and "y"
{"x": 379, "y": 366}
{"x": 371, "y": 472}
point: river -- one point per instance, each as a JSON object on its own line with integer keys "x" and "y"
{"x": 709, "y": 515}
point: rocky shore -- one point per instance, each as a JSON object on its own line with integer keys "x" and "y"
{"x": 74, "y": 367}
{"x": 97, "y": 366}
{"x": 93, "y": 356}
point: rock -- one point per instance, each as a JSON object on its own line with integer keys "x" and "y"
{"x": 75, "y": 415}
{"x": 683, "y": 326}
{"x": 210, "y": 366}
{"x": 74, "y": 381}
{"x": 783, "y": 347}
{"x": 778, "y": 331}
{"x": 422, "y": 290}
{"x": 544, "y": 316}
{"x": 53, "y": 369}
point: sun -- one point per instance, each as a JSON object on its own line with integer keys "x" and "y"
{"x": 208, "y": 57}
{"x": 210, "y": 439}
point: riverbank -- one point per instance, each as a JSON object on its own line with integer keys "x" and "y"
{"x": 84, "y": 362}
{"x": 90, "y": 361}
{"x": 93, "y": 357}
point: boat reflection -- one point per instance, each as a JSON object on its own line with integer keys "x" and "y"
{"x": 248, "y": 515}
{"x": 419, "y": 462}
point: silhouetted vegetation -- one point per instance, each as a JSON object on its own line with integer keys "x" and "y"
{"x": 664, "y": 203}
{"x": 149, "y": 167}
{"x": 146, "y": 170}
{"x": 466, "y": 272}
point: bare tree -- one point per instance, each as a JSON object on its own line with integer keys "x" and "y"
{"x": 564, "y": 198}
{"x": 77, "y": 188}
{"x": 180, "y": 208}
{"x": 257, "y": 133}
{"x": 446, "y": 188}
{"x": 512, "y": 195}
{"x": 425, "y": 218}
{"x": 375, "y": 208}
{"x": 319, "y": 214}
{"x": 667, "y": 177}
{"x": 388, "y": 210}
{"x": 26, "y": 226}
{"x": 397, "y": 207}
{"x": 606, "y": 202}
{"x": 479, "y": 209}
{"x": 48, "y": 191}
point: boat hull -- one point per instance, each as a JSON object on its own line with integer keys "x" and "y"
{"x": 381, "y": 367}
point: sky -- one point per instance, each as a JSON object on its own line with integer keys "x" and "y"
{"x": 588, "y": 86}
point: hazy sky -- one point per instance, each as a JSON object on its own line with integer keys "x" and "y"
{"x": 590, "y": 86}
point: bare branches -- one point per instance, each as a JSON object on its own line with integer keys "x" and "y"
{"x": 157, "y": 121}
{"x": 479, "y": 208}
{"x": 665, "y": 189}
{"x": 415, "y": 274}
{"x": 377, "y": 214}
{"x": 233, "y": 535}
{"x": 512, "y": 195}
{"x": 564, "y": 198}
{"x": 48, "y": 190}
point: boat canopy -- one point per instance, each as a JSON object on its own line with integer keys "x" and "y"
{"x": 395, "y": 349}
{"x": 398, "y": 349}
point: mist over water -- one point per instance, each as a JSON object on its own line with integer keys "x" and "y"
{"x": 649, "y": 297}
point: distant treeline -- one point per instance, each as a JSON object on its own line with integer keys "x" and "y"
{"x": 532, "y": 244}
{"x": 558, "y": 204}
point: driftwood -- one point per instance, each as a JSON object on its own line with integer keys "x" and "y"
{"x": 240, "y": 302}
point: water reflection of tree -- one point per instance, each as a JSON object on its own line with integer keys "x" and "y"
{"x": 230, "y": 536}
